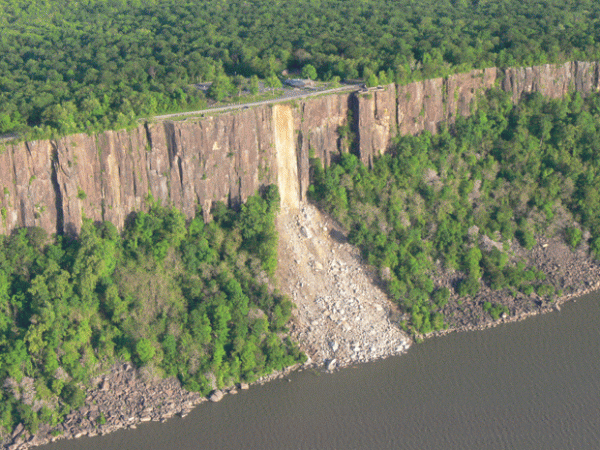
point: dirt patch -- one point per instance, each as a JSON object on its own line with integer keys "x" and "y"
{"x": 342, "y": 315}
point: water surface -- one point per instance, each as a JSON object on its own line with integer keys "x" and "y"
{"x": 528, "y": 385}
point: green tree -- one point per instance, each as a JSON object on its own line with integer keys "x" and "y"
{"x": 254, "y": 87}
{"x": 220, "y": 88}
{"x": 573, "y": 236}
{"x": 273, "y": 82}
{"x": 145, "y": 350}
{"x": 309, "y": 71}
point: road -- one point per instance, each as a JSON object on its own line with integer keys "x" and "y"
{"x": 290, "y": 94}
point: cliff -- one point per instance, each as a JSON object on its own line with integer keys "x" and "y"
{"x": 191, "y": 163}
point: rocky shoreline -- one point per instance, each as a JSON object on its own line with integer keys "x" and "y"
{"x": 123, "y": 398}
{"x": 126, "y": 398}
{"x": 342, "y": 318}
{"x": 571, "y": 272}
{"x": 544, "y": 309}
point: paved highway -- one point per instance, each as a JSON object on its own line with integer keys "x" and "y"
{"x": 289, "y": 94}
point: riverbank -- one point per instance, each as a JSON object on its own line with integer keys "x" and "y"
{"x": 518, "y": 316}
{"x": 522, "y": 386}
{"x": 342, "y": 318}
{"x": 121, "y": 398}
{"x": 124, "y": 398}
{"x": 571, "y": 272}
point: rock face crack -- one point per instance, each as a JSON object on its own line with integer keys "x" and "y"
{"x": 148, "y": 135}
{"x": 174, "y": 154}
{"x": 180, "y": 167}
{"x": 353, "y": 109}
{"x": 58, "y": 197}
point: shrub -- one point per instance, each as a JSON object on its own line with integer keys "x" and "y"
{"x": 527, "y": 290}
{"x": 526, "y": 238}
{"x": 73, "y": 396}
{"x": 545, "y": 290}
{"x": 495, "y": 309}
{"x": 468, "y": 287}
{"x": 573, "y": 236}
{"x": 441, "y": 296}
{"x": 145, "y": 350}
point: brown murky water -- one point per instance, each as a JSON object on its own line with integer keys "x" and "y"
{"x": 528, "y": 385}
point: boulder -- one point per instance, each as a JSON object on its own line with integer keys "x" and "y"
{"x": 17, "y": 431}
{"x": 216, "y": 396}
{"x": 305, "y": 232}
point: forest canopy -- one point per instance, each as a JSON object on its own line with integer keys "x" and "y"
{"x": 193, "y": 299}
{"x": 456, "y": 200}
{"x": 88, "y": 65}
{"x": 187, "y": 300}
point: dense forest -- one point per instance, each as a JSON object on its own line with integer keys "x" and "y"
{"x": 88, "y": 65}
{"x": 509, "y": 172}
{"x": 193, "y": 301}
{"x": 196, "y": 300}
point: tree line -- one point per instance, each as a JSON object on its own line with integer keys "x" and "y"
{"x": 90, "y": 65}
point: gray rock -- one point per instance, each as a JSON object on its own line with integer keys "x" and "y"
{"x": 17, "y": 431}
{"x": 331, "y": 364}
{"x": 216, "y": 396}
{"x": 305, "y": 232}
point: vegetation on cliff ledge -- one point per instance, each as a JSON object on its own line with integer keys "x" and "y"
{"x": 187, "y": 300}
{"x": 88, "y": 65}
{"x": 454, "y": 201}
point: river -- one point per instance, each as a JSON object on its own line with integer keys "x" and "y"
{"x": 534, "y": 384}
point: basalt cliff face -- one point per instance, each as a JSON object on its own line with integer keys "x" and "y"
{"x": 192, "y": 163}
